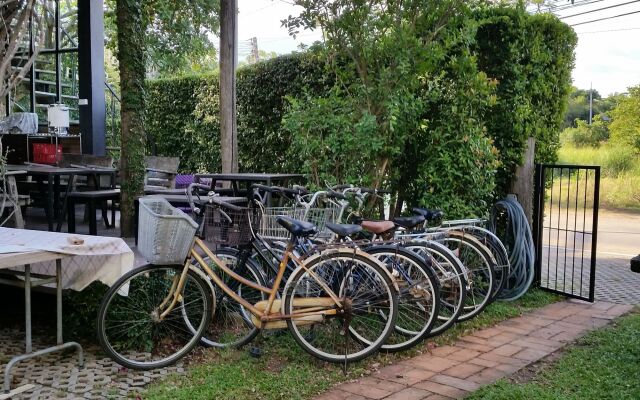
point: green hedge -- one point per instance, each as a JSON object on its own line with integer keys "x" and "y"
{"x": 531, "y": 58}
{"x": 183, "y": 113}
{"x": 508, "y": 80}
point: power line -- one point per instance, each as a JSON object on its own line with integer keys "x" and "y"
{"x": 608, "y": 30}
{"x": 600, "y": 9}
{"x": 606, "y": 18}
{"x": 574, "y": 5}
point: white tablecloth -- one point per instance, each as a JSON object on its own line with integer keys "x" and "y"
{"x": 90, "y": 258}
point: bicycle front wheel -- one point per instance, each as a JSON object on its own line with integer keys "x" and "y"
{"x": 131, "y": 329}
{"x": 418, "y": 297}
{"x": 368, "y": 311}
{"x": 480, "y": 269}
{"x": 451, "y": 277}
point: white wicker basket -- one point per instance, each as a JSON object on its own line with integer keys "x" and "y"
{"x": 165, "y": 233}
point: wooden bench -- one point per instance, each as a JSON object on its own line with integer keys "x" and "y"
{"x": 91, "y": 198}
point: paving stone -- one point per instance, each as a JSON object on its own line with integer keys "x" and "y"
{"x": 463, "y": 371}
{"x": 463, "y": 355}
{"x": 506, "y": 350}
{"x": 461, "y": 384}
{"x": 488, "y": 375}
{"x": 431, "y": 363}
{"x": 443, "y": 350}
{"x": 372, "y": 388}
{"x": 404, "y": 374}
{"x": 531, "y": 354}
{"x": 474, "y": 346}
{"x": 409, "y": 394}
{"x": 444, "y": 390}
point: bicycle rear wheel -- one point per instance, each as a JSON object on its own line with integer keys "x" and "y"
{"x": 132, "y": 332}
{"x": 418, "y": 297}
{"x": 451, "y": 277}
{"x": 369, "y": 305}
{"x": 480, "y": 269}
{"x": 231, "y": 324}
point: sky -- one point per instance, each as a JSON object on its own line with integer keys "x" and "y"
{"x": 607, "y": 55}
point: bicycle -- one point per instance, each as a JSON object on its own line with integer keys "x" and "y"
{"x": 340, "y": 304}
{"x": 418, "y": 299}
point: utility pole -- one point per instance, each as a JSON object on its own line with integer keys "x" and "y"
{"x": 254, "y": 49}
{"x": 590, "y": 103}
{"x": 228, "y": 64}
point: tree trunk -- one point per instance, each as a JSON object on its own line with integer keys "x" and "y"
{"x": 131, "y": 58}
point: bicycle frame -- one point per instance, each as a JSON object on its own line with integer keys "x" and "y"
{"x": 312, "y": 307}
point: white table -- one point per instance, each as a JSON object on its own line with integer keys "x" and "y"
{"x": 96, "y": 258}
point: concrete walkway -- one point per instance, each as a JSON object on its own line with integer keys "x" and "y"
{"x": 482, "y": 357}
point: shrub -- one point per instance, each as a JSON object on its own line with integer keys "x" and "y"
{"x": 183, "y": 114}
{"x": 587, "y": 135}
{"x": 625, "y": 127}
{"x": 531, "y": 57}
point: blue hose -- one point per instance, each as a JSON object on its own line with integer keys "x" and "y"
{"x": 519, "y": 243}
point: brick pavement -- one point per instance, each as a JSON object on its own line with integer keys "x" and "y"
{"x": 451, "y": 372}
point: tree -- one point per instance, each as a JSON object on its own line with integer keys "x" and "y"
{"x": 625, "y": 127}
{"x": 178, "y": 36}
{"x": 131, "y": 59}
{"x": 400, "y": 115}
{"x": 379, "y": 51}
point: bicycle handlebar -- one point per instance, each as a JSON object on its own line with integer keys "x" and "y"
{"x": 189, "y": 191}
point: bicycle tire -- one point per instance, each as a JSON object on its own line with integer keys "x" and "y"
{"x": 452, "y": 280}
{"x": 147, "y": 290}
{"x": 480, "y": 268}
{"x": 334, "y": 262}
{"x": 410, "y": 327}
{"x": 224, "y": 304}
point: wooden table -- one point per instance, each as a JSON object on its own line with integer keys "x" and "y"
{"x": 52, "y": 176}
{"x": 249, "y": 179}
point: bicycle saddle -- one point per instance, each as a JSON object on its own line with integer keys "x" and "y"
{"x": 297, "y": 228}
{"x": 409, "y": 222}
{"x": 429, "y": 214}
{"x": 378, "y": 227}
{"x": 343, "y": 230}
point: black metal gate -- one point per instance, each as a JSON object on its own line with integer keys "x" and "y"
{"x": 566, "y": 228}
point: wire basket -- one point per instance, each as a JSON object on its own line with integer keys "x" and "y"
{"x": 165, "y": 233}
{"x": 270, "y": 228}
{"x": 320, "y": 217}
{"x": 230, "y": 227}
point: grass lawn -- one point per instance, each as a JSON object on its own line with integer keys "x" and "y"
{"x": 604, "y": 364}
{"x": 620, "y": 172}
{"x": 287, "y": 372}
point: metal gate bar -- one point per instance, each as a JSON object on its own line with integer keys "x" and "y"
{"x": 566, "y": 202}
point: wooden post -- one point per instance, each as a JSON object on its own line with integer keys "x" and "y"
{"x": 522, "y": 184}
{"x": 228, "y": 44}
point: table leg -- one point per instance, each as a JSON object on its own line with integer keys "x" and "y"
{"x": 71, "y": 216}
{"x": 27, "y": 308}
{"x": 58, "y": 302}
{"x": 6, "y": 386}
{"x": 71, "y": 183}
{"x": 49, "y": 205}
{"x": 93, "y": 226}
{"x": 56, "y": 196}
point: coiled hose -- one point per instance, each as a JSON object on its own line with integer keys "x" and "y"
{"x": 519, "y": 243}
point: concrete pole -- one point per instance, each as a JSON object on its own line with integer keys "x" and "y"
{"x": 228, "y": 62}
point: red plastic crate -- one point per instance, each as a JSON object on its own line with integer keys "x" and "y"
{"x": 45, "y": 153}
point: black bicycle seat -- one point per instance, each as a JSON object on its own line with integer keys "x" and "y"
{"x": 409, "y": 222}
{"x": 344, "y": 230}
{"x": 297, "y": 228}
